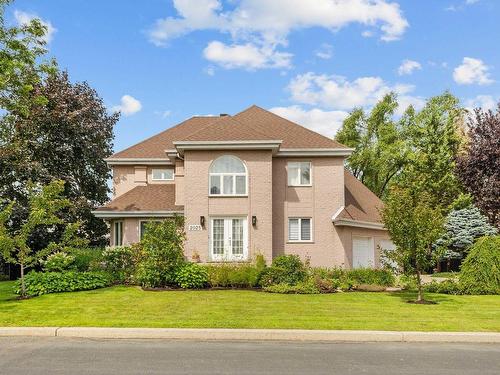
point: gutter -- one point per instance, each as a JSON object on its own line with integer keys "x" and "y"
{"x": 120, "y": 214}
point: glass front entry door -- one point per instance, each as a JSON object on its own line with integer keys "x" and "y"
{"x": 229, "y": 239}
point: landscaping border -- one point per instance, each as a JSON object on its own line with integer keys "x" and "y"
{"x": 211, "y": 334}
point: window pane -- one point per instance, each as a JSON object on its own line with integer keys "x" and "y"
{"x": 237, "y": 237}
{"x": 218, "y": 236}
{"x": 163, "y": 174}
{"x": 305, "y": 173}
{"x": 293, "y": 174}
{"x": 293, "y": 229}
{"x": 228, "y": 185}
{"x": 143, "y": 228}
{"x": 227, "y": 164}
{"x": 215, "y": 185}
{"x": 118, "y": 233}
{"x": 240, "y": 185}
{"x": 305, "y": 228}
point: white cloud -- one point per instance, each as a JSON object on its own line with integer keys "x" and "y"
{"x": 339, "y": 93}
{"x": 265, "y": 25}
{"x": 485, "y": 102}
{"x": 128, "y": 105}
{"x": 367, "y": 34}
{"x": 24, "y": 18}
{"x": 323, "y": 122}
{"x": 408, "y": 67}
{"x": 472, "y": 71}
{"x": 325, "y": 51}
{"x": 247, "y": 56}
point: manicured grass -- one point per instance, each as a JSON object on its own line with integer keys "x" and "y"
{"x": 131, "y": 307}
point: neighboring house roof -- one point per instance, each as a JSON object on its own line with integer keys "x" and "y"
{"x": 143, "y": 200}
{"x": 252, "y": 124}
{"x": 361, "y": 205}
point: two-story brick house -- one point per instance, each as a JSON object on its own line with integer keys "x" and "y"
{"x": 247, "y": 184}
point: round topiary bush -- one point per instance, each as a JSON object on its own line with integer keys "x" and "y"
{"x": 480, "y": 272}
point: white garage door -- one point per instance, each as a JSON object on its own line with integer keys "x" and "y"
{"x": 363, "y": 252}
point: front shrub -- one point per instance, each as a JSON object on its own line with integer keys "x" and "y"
{"x": 120, "y": 262}
{"x": 191, "y": 276}
{"x": 57, "y": 262}
{"x": 38, "y": 283}
{"x": 480, "y": 272}
{"x": 233, "y": 275}
{"x": 87, "y": 259}
{"x": 285, "y": 269}
{"x": 162, "y": 253}
{"x": 370, "y": 276}
{"x": 302, "y": 287}
{"x": 445, "y": 287}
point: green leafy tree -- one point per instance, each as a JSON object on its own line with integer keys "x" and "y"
{"x": 66, "y": 138}
{"x": 434, "y": 139}
{"x": 414, "y": 225}
{"x": 163, "y": 252}
{"x": 45, "y": 206}
{"x": 22, "y": 49}
{"x": 378, "y": 142}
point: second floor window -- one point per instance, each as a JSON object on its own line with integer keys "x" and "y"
{"x": 228, "y": 176}
{"x": 163, "y": 174}
{"x": 299, "y": 173}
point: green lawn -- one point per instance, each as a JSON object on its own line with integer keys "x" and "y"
{"x": 131, "y": 307}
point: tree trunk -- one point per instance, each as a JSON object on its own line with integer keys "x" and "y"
{"x": 420, "y": 296}
{"x": 23, "y": 287}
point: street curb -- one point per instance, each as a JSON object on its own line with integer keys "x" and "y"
{"x": 208, "y": 334}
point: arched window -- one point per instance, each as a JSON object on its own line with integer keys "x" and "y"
{"x": 228, "y": 176}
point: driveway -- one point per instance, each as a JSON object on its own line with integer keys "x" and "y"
{"x": 83, "y": 356}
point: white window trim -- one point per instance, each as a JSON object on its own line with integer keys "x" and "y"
{"x": 300, "y": 172}
{"x": 300, "y": 230}
{"x": 145, "y": 221}
{"x": 162, "y": 179}
{"x": 114, "y": 232}
{"x": 228, "y": 258}
{"x": 222, "y": 174}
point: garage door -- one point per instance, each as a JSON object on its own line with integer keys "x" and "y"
{"x": 363, "y": 252}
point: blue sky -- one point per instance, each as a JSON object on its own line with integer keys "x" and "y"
{"x": 309, "y": 60}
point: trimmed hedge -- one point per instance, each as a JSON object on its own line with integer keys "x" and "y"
{"x": 38, "y": 283}
{"x": 191, "y": 276}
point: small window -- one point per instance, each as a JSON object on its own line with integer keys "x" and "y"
{"x": 299, "y": 173}
{"x": 299, "y": 229}
{"x": 228, "y": 176}
{"x": 118, "y": 233}
{"x": 163, "y": 174}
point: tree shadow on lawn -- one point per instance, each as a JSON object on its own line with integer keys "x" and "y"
{"x": 411, "y": 296}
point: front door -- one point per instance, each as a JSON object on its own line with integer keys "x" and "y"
{"x": 229, "y": 239}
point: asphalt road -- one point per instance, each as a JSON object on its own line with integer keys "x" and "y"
{"x": 84, "y": 356}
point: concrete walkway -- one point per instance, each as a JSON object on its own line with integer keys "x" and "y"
{"x": 252, "y": 334}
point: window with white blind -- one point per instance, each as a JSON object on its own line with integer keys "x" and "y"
{"x": 299, "y": 229}
{"x": 163, "y": 174}
{"x": 299, "y": 173}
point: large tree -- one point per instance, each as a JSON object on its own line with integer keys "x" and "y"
{"x": 478, "y": 167}
{"x": 67, "y": 137}
{"x": 433, "y": 141}
{"x": 378, "y": 142}
{"x": 21, "y": 67}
